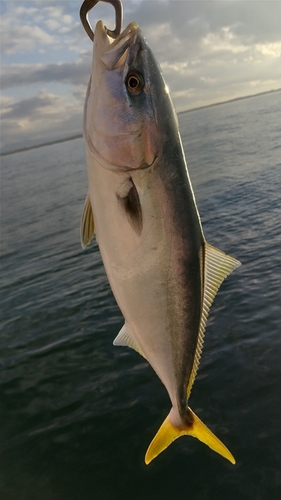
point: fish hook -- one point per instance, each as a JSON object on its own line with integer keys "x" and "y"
{"x": 89, "y": 4}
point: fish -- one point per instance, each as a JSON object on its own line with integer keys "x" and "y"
{"x": 141, "y": 207}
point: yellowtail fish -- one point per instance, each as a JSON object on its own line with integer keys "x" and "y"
{"x": 142, "y": 209}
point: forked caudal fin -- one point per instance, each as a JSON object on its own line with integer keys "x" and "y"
{"x": 168, "y": 432}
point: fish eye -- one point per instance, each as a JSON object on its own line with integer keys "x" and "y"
{"x": 134, "y": 83}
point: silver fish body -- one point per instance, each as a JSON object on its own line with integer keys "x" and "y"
{"x": 142, "y": 209}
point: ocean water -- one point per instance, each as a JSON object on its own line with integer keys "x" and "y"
{"x": 77, "y": 413}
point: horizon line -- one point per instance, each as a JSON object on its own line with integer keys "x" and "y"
{"x": 80, "y": 135}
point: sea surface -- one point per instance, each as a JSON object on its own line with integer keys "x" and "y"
{"x": 77, "y": 413}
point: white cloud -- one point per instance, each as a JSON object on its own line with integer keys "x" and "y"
{"x": 21, "y": 75}
{"x": 52, "y": 24}
{"x": 223, "y": 41}
{"x": 27, "y": 37}
{"x": 177, "y": 66}
{"x": 208, "y": 51}
{"x": 28, "y": 27}
{"x": 52, "y": 12}
{"x": 64, "y": 30}
{"x": 22, "y": 10}
{"x": 270, "y": 49}
{"x": 262, "y": 84}
{"x": 208, "y": 80}
{"x": 67, "y": 19}
{"x": 31, "y": 118}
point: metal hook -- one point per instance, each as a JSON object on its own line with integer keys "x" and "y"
{"x": 89, "y": 4}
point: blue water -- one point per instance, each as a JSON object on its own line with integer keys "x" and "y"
{"x": 77, "y": 413}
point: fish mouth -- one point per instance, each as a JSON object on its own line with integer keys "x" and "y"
{"x": 113, "y": 52}
{"x": 114, "y": 147}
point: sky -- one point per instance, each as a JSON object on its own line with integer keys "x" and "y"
{"x": 210, "y": 51}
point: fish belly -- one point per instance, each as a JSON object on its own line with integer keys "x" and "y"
{"x": 154, "y": 275}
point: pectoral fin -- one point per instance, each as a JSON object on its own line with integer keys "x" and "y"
{"x": 129, "y": 200}
{"x": 169, "y": 431}
{"x": 87, "y": 227}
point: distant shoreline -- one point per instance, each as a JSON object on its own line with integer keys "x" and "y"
{"x": 41, "y": 145}
{"x": 229, "y": 100}
{"x": 79, "y": 136}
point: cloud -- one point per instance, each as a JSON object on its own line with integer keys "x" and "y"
{"x": 26, "y": 38}
{"x": 209, "y": 51}
{"x": 75, "y": 73}
{"x": 189, "y": 23}
{"x": 272, "y": 50}
{"x": 35, "y": 25}
{"x": 31, "y": 109}
{"x": 39, "y": 117}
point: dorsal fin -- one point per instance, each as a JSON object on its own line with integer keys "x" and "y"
{"x": 87, "y": 227}
{"x": 217, "y": 266}
{"x": 124, "y": 338}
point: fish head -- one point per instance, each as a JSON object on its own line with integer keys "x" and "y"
{"x": 126, "y": 102}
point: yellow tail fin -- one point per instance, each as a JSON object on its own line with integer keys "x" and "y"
{"x": 168, "y": 432}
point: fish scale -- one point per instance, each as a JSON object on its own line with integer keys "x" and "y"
{"x": 141, "y": 206}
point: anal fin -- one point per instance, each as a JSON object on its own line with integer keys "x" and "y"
{"x": 124, "y": 338}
